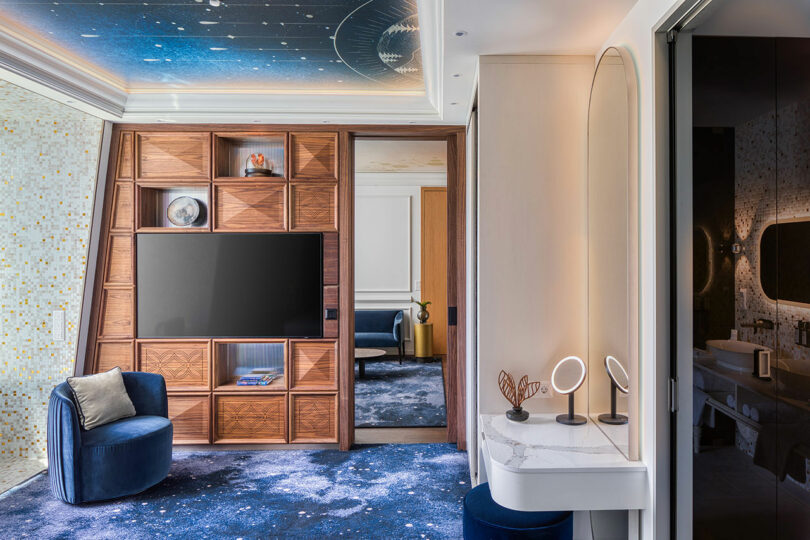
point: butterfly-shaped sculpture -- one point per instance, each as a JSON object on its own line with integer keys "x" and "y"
{"x": 517, "y": 394}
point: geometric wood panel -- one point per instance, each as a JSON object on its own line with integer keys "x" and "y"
{"x": 122, "y": 206}
{"x": 313, "y": 365}
{"x": 313, "y": 207}
{"x": 173, "y": 156}
{"x": 190, "y": 415}
{"x": 252, "y": 207}
{"x": 314, "y": 156}
{"x": 253, "y": 418}
{"x": 126, "y": 160}
{"x": 314, "y": 418}
{"x": 331, "y": 259}
{"x": 119, "y": 260}
{"x": 117, "y": 314}
{"x": 184, "y": 364}
{"x": 330, "y": 301}
{"x": 110, "y": 354}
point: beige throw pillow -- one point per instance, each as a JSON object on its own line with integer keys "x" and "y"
{"x": 101, "y": 398}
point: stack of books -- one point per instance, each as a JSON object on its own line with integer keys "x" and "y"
{"x": 257, "y": 378}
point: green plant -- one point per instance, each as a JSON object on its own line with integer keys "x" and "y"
{"x": 422, "y": 305}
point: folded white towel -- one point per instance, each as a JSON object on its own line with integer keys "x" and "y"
{"x": 746, "y": 410}
{"x": 754, "y": 414}
{"x": 731, "y": 401}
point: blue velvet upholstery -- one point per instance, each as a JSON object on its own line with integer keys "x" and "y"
{"x": 484, "y": 519}
{"x": 117, "y": 459}
{"x": 378, "y": 328}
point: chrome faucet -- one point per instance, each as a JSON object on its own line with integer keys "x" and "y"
{"x": 764, "y": 324}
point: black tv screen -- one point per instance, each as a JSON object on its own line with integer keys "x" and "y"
{"x": 229, "y": 285}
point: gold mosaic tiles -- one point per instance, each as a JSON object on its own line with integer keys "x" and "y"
{"x": 48, "y": 165}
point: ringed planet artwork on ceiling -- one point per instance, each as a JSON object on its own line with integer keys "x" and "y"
{"x": 317, "y": 45}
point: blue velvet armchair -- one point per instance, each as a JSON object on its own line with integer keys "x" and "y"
{"x": 114, "y": 460}
{"x": 379, "y": 328}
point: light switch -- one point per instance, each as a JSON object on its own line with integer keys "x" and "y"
{"x": 58, "y": 322}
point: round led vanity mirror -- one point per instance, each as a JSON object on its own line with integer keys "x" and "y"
{"x": 567, "y": 377}
{"x": 620, "y": 381}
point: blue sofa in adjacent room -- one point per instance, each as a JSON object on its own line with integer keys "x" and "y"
{"x": 116, "y": 459}
{"x": 378, "y": 328}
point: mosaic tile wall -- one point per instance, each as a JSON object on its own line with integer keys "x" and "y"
{"x": 757, "y": 185}
{"x": 48, "y": 165}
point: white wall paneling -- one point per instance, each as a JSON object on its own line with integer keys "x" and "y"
{"x": 387, "y": 248}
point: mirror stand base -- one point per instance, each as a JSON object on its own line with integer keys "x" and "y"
{"x": 616, "y": 420}
{"x": 573, "y": 420}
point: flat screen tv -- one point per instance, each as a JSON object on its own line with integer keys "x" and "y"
{"x": 229, "y": 285}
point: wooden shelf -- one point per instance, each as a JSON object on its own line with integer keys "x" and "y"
{"x": 230, "y": 386}
{"x": 152, "y": 200}
{"x": 231, "y": 151}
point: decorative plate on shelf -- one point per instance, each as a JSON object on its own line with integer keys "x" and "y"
{"x": 183, "y": 211}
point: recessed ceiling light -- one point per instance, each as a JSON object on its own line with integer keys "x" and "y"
{"x": 256, "y": 121}
{"x": 326, "y": 121}
{"x": 454, "y": 103}
{"x": 461, "y": 33}
{"x": 456, "y": 75}
{"x": 69, "y": 101}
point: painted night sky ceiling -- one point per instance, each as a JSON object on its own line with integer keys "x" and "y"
{"x": 334, "y": 45}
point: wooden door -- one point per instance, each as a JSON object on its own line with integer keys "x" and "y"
{"x": 434, "y": 262}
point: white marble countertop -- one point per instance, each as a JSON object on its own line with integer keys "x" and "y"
{"x": 541, "y": 444}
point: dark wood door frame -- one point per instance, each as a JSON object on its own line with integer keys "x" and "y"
{"x": 455, "y": 136}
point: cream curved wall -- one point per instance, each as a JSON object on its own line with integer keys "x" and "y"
{"x": 48, "y": 166}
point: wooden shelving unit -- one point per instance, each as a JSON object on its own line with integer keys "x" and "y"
{"x": 147, "y": 171}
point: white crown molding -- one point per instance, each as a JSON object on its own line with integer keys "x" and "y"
{"x": 31, "y": 68}
{"x": 431, "y": 24}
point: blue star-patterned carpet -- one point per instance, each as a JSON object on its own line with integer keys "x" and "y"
{"x": 393, "y": 395}
{"x": 379, "y": 491}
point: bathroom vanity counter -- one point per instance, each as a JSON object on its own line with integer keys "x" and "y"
{"x": 542, "y": 465}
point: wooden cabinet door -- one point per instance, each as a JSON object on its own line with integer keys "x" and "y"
{"x": 313, "y": 207}
{"x": 110, "y": 354}
{"x": 191, "y": 417}
{"x": 250, "y": 207}
{"x": 313, "y": 365}
{"x": 434, "y": 262}
{"x": 314, "y": 156}
{"x": 313, "y": 418}
{"x": 184, "y": 364}
{"x": 173, "y": 156}
{"x": 117, "y": 319}
{"x": 250, "y": 418}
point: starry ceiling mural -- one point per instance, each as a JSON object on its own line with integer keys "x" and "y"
{"x": 321, "y": 45}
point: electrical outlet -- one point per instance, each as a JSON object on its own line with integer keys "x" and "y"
{"x": 545, "y": 390}
{"x": 58, "y": 329}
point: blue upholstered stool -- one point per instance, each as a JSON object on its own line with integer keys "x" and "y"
{"x": 484, "y": 519}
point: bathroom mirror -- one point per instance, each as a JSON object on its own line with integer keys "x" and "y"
{"x": 567, "y": 377}
{"x": 613, "y": 246}
{"x": 785, "y": 261}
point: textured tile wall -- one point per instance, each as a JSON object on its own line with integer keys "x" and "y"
{"x": 772, "y": 182}
{"x": 48, "y": 165}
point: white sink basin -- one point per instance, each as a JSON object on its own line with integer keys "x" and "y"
{"x": 733, "y": 354}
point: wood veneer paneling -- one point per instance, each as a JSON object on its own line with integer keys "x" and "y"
{"x": 117, "y": 319}
{"x": 313, "y": 207}
{"x": 346, "y": 300}
{"x": 122, "y": 207}
{"x": 119, "y": 270}
{"x": 184, "y": 364}
{"x": 173, "y": 156}
{"x": 126, "y": 159}
{"x": 313, "y": 156}
{"x": 191, "y": 418}
{"x": 110, "y": 354}
{"x": 330, "y": 301}
{"x": 313, "y": 365}
{"x": 434, "y": 261}
{"x": 250, "y": 418}
{"x": 331, "y": 258}
{"x": 250, "y": 207}
{"x": 313, "y": 418}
